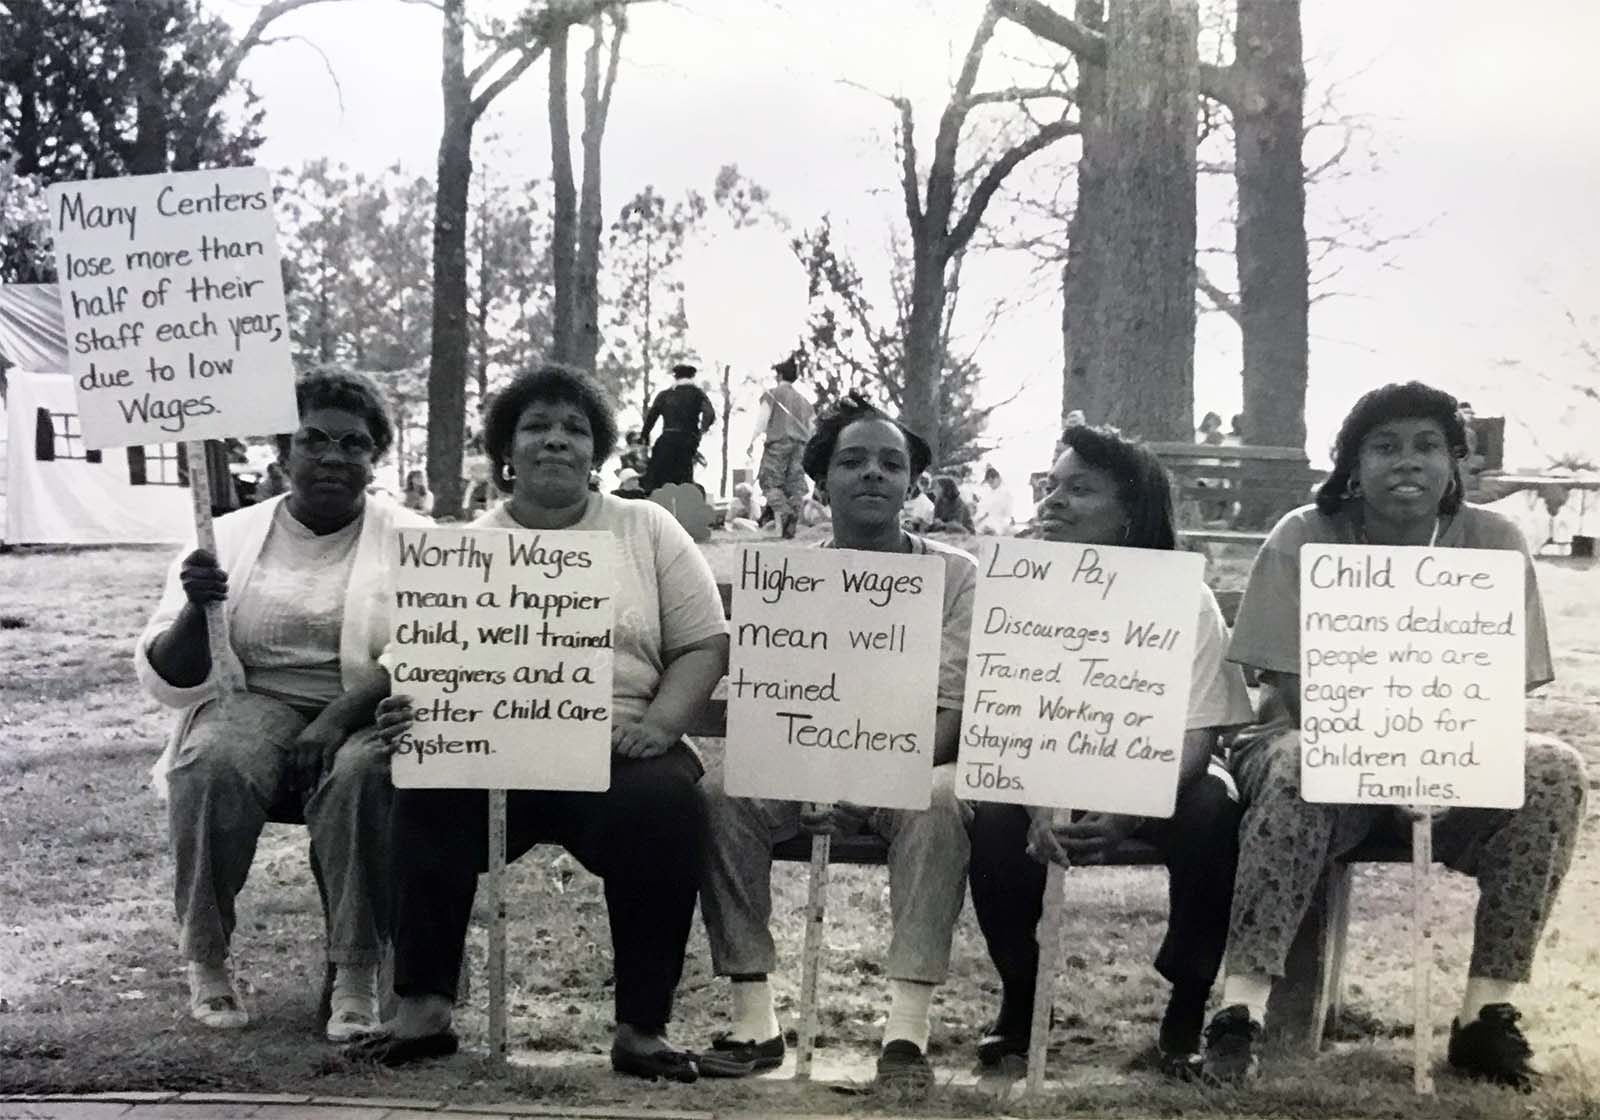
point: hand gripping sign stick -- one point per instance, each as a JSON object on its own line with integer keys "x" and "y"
{"x": 205, "y": 537}
{"x": 811, "y": 955}
{"x": 1049, "y": 934}
{"x": 1421, "y": 949}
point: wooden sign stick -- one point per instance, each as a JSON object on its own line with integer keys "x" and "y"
{"x": 811, "y": 955}
{"x": 497, "y": 926}
{"x": 1421, "y": 950}
{"x": 1045, "y": 979}
{"x": 205, "y": 537}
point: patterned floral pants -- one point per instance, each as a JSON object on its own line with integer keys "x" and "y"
{"x": 1518, "y": 856}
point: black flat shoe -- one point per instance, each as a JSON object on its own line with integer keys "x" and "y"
{"x": 387, "y": 1050}
{"x": 730, "y": 1058}
{"x": 673, "y": 1065}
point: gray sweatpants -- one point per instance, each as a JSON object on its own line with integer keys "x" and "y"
{"x": 229, "y": 771}
{"x": 928, "y": 852}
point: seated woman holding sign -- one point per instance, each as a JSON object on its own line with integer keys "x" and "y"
{"x": 303, "y": 576}
{"x": 1396, "y": 480}
{"x": 644, "y": 836}
{"x": 867, "y": 464}
{"x": 1105, "y": 490}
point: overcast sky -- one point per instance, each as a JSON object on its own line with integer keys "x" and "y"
{"x": 1482, "y": 116}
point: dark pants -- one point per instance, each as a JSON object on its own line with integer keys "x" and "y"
{"x": 1200, "y": 846}
{"x": 672, "y": 458}
{"x": 644, "y": 836}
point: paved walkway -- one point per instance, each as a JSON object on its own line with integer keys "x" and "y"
{"x": 286, "y": 1106}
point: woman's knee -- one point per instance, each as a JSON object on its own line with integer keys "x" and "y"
{"x": 1555, "y": 766}
{"x": 660, "y": 794}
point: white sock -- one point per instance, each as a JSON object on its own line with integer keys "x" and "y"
{"x": 753, "y": 1017}
{"x": 1482, "y": 991}
{"x": 1250, "y": 989}
{"x": 357, "y": 982}
{"x": 908, "y": 1012}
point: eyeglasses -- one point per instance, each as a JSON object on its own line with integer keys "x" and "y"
{"x": 319, "y": 444}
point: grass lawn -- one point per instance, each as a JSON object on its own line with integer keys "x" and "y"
{"x": 92, "y": 995}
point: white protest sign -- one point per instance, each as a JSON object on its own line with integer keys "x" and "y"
{"x": 173, "y": 300}
{"x": 1078, "y": 676}
{"x": 1412, "y": 669}
{"x": 502, "y": 639}
{"x": 833, "y": 679}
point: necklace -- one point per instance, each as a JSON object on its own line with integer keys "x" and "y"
{"x": 1433, "y": 537}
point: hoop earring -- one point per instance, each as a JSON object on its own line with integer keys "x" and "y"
{"x": 508, "y": 473}
{"x": 1352, "y": 489}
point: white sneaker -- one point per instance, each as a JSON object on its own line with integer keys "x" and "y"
{"x": 222, "y": 1011}
{"x": 353, "y": 1018}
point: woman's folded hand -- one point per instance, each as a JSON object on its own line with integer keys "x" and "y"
{"x": 637, "y": 739}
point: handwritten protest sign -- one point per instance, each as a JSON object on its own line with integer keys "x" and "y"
{"x": 1078, "y": 676}
{"x": 834, "y": 676}
{"x": 503, "y": 641}
{"x": 1411, "y": 675}
{"x": 173, "y": 300}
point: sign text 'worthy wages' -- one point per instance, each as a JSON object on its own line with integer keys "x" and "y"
{"x": 1412, "y": 670}
{"x": 833, "y": 677}
{"x": 503, "y": 640}
{"x": 173, "y": 301}
{"x": 1078, "y": 676}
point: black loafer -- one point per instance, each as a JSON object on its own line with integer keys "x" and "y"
{"x": 671, "y": 1065}
{"x": 1000, "y": 1042}
{"x": 903, "y": 1066}
{"x": 731, "y": 1058}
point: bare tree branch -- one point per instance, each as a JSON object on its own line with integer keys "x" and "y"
{"x": 1007, "y": 96}
{"x": 1221, "y": 299}
{"x": 327, "y": 64}
{"x": 997, "y": 172}
{"x": 530, "y": 55}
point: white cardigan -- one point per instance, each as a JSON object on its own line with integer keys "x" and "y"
{"x": 240, "y": 537}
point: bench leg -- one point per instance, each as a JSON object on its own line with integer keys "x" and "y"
{"x": 1339, "y": 929}
{"x": 1297, "y": 1015}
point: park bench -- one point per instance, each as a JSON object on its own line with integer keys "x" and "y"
{"x": 1233, "y": 495}
{"x": 1304, "y": 1003}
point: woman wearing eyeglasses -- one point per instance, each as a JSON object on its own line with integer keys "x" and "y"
{"x": 303, "y": 576}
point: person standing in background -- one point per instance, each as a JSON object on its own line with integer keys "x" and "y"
{"x": 686, "y": 414}
{"x": 785, "y": 418}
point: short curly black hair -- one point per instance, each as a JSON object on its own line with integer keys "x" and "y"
{"x": 1144, "y": 488}
{"x": 550, "y": 383}
{"x": 1410, "y": 400}
{"x": 353, "y": 392}
{"x": 851, "y": 409}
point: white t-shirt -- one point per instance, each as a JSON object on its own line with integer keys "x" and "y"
{"x": 666, "y": 595}
{"x": 1217, "y": 694}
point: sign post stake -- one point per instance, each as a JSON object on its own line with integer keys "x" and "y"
{"x": 1045, "y": 979}
{"x": 497, "y": 926}
{"x": 1421, "y": 949}
{"x": 205, "y": 537}
{"x": 811, "y": 955}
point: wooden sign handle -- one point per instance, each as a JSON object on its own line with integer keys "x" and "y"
{"x": 1045, "y": 979}
{"x": 1421, "y": 950}
{"x": 497, "y": 926}
{"x": 811, "y": 956}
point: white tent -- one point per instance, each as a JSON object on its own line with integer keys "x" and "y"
{"x": 54, "y": 491}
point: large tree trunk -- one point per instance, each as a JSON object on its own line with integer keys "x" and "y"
{"x": 447, "y": 365}
{"x": 586, "y": 295}
{"x": 564, "y": 217}
{"x": 1145, "y": 308}
{"x": 1080, "y": 276}
{"x": 924, "y": 355}
{"x": 1271, "y": 232}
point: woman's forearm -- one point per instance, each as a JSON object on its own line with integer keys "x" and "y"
{"x": 181, "y": 654}
{"x": 686, "y": 684}
{"x": 355, "y": 708}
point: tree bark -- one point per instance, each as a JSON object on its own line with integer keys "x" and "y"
{"x": 1144, "y": 305}
{"x": 564, "y": 229}
{"x": 1080, "y": 275}
{"x": 447, "y": 364}
{"x": 596, "y": 106}
{"x": 1270, "y": 235}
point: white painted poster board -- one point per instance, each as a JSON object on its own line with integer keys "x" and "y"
{"x": 1412, "y": 672}
{"x": 503, "y": 641}
{"x": 833, "y": 678}
{"x": 173, "y": 300}
{"x": 1078, "y": 676}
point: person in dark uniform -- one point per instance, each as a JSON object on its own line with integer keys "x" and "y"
{"x": 686, "y": 414}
